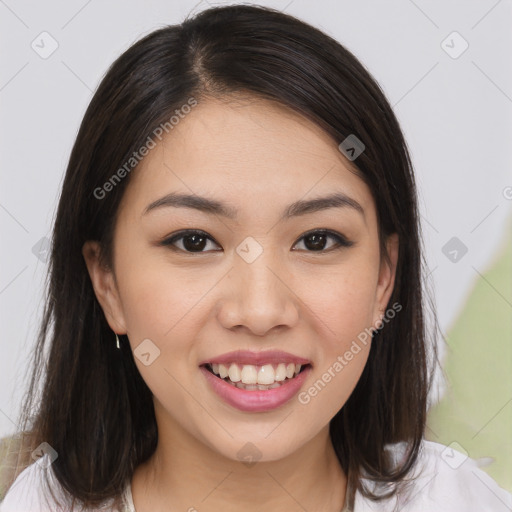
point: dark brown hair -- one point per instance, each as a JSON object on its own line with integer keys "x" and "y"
{"x": 93, "y": 406}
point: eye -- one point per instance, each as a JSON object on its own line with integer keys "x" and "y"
{"x": 195, "y": 241}
{"x": 190, "y": 241}
{"x": 315, "y": 241}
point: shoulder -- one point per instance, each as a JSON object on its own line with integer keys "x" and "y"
{"x": 444, "y": 480}
{"x": 453, "y": 481}
{"x": 30, "y": 492}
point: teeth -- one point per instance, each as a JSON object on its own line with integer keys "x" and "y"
{"x": 254, "y": 387}
{"x": 266, "y": 375}
{"x": 249, "y": 376}
{"x": 280, "y": 372}
{"x": 222, "y": 371}
{"x": 234, "y": 373}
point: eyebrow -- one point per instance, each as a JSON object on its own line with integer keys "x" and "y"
{"x": 214, "y": 207}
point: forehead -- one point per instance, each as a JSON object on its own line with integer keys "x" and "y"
{"x": 246, "y": 149}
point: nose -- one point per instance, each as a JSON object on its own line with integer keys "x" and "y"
{"x": 258, "y": 297}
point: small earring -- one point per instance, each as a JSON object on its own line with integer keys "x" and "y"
{"x": 117, "y": 341}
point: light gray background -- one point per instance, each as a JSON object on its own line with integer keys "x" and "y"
{"x": 456, "y": 114}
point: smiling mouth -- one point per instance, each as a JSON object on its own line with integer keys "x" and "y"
{"x": 256, "y": 378}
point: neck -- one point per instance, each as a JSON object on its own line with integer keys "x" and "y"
{"x": 185, "y": 474}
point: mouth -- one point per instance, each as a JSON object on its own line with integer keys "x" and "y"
{"x": 256, "y": 377}
{"x": 256, "y": 381}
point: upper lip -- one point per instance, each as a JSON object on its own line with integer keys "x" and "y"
{"x": 245, "y": 357}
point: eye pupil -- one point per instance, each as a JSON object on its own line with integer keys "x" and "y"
{"x": 318, "y": 241}
{"x": 198, "y": 243}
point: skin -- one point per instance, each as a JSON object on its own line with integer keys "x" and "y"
{"x": 257, "y": 157}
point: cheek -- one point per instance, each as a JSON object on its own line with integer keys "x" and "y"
{"x": 343, "y": 311}
{"x": 333, "y": 383}
{"x": 156, "y": 298}
{"x": 346, "y": 308}
{"x": 343, "y": 306}
{"x": 164, "y": 309}
{"x": 343, "y": 299}
{"x": 346, "y": 315}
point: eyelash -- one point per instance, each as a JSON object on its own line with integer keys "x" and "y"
{"x": 341, "y": 241}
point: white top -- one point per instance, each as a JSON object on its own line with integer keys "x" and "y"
{"x": 448, "y": 481}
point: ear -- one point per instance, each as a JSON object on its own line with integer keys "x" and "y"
{"x": 387, "y": 274}
{"x": 105, "y": 287}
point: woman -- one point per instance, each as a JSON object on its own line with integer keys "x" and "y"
{"x": 235, "y": 290}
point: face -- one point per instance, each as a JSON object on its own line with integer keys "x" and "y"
{"x": 248, "y": 272}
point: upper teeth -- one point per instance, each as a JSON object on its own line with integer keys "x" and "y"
{"x": 250, "y": 374}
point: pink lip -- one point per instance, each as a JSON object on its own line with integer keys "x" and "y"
{"x": 256, "y": 358}
{"x": 256, "y": 401}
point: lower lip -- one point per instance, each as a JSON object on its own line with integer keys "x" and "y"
{"x": 256, "y": 401}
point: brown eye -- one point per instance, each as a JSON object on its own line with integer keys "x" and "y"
{"x": 190, "y": 241}
{"x": 196, "y": 241}
{"x": 316, "y": 241}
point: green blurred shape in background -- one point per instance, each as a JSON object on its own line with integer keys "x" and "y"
{"x": 476, "y": 409}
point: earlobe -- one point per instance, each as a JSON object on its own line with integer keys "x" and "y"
{"x": 104, "y": 285}
{"x": 387, "y": 272}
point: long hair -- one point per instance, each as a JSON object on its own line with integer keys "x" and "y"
{"x": 82, "y": 389}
